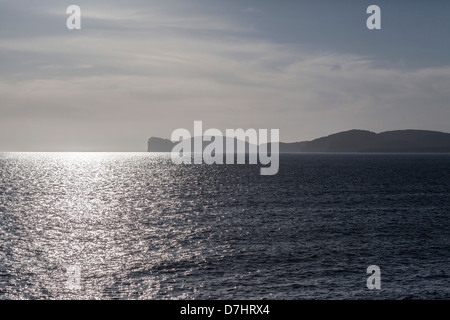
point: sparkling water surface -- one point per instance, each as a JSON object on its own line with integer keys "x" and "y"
{"x": 136, "y": 226}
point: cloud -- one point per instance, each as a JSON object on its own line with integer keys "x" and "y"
{"x": 112, "y": 86}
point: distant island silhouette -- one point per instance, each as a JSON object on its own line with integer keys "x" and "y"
{"x": 398, "y": 141}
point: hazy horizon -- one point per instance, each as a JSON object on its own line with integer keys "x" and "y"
{"x": 140, "y": 69}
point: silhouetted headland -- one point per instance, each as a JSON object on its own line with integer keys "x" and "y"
{"x": 399, "y": 141}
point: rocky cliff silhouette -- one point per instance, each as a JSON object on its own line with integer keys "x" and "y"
{"x": 401, "y": 141}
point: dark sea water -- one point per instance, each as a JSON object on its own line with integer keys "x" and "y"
{"x": 136, "y": 226}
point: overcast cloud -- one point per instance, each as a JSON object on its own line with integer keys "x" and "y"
{"x": 144, "y": 68}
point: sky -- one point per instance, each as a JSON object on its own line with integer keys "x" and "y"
{"x": 138, "y": 69}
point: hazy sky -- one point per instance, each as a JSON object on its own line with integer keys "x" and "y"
{"x": 145, "y": 68}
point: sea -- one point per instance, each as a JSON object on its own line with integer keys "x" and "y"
{"x": 137, "y": 226}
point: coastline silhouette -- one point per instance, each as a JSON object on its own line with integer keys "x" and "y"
{"x": 398, "y": 141}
